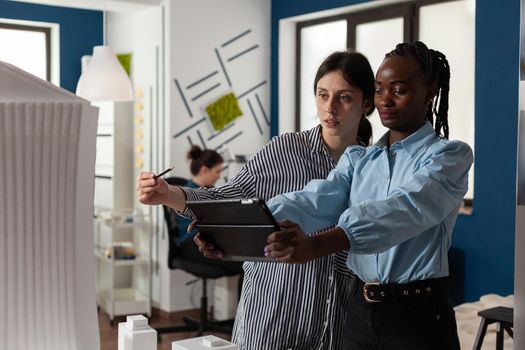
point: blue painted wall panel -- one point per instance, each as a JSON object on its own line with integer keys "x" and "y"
{"x": 486, "y": 237}
{"x": 80, "y": 30}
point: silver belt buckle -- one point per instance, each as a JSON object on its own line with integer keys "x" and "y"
{"x": 365, "y": 292}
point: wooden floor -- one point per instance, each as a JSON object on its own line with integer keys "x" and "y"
{"x": 109, "y": 334}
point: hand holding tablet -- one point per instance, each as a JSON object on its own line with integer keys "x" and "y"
{"x": 238, "y": 228}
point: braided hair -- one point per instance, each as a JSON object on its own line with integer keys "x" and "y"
{"x": 436, "y": 70}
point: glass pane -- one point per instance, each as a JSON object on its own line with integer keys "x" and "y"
{"x": 317, "y": 42}
{"x": 374, "y": 40}
{"x": 24, "y": 49}
{"x": 460, "y": 19}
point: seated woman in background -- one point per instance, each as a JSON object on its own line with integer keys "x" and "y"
{"x": 205, "y": 168}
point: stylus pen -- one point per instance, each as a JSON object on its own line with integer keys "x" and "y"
{"x": 163, "y": 173}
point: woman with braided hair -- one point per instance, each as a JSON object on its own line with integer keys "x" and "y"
{"x": 394, "y": 205}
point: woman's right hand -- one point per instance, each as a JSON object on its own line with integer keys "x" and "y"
{"x": 151, "y": 190}
{"x": 207, "y": 249}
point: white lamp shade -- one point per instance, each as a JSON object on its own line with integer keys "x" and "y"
{"x": 104, "y": 79}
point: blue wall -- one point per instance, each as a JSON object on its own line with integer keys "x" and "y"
{"x": 80, "y": 30}
{"x": 487, "y": 236}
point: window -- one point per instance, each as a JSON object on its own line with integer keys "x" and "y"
{"x": 375, "y": 31}
{"x": 27, "y": 47}
{"x": 317, "y": 42}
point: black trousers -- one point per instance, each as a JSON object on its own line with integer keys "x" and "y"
{"x": 423, "y": 323}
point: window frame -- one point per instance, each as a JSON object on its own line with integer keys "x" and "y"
{"x": 47, "y": 34}
{"x": 298, "y": 44}
{"x": 404, "y": 10}
{"x": 408, "y": 10}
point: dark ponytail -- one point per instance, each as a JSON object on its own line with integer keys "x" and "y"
{"x": 364, "y": 133}
{"x": 436, "y": 70}
{"x": 199, "y": 158}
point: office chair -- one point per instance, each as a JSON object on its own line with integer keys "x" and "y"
{"x": 187, "y": 258}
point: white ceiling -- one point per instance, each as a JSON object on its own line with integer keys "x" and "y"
{"x": 103, "y": 5}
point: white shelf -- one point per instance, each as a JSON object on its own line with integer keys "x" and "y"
{"x": 123, "y": 285}
{"x": 124, "y": 301}
{"x": 136, "y": 224}
{"x": 138, "y": 260}
{"x": 121, "y": 219}
{"x": 130, "y": 300}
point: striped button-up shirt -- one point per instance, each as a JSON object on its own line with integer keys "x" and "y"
{"x": 282, "y": 306}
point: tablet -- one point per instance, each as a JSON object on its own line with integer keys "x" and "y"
{"x": 237, "y": 227}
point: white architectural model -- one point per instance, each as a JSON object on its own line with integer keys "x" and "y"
{"x": 47, "y": 165}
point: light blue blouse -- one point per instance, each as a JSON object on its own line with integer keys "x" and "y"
{"x": 397, "y": 206}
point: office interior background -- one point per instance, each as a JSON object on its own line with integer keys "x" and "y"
{"x": 184, "y": 54}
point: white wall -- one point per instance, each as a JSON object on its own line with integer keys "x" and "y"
{"x": 200, "y": 32}
{"x": 146, "y": 35}
{"x": 196, "y": 40}
{"x": 118, "y": 31}
{"x": 178, "y": 40}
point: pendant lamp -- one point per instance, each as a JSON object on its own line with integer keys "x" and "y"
{"x": 104, "y": 78}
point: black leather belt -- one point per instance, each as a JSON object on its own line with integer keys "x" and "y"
{"x": 375, "y": 293}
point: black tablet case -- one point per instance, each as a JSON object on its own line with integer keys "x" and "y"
{"x": 237, "y": 227}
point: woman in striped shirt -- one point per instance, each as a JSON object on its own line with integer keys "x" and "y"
{"x": 282, "y": 306}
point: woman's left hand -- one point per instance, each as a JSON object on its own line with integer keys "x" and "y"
{"x": 290, "y": 244}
